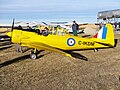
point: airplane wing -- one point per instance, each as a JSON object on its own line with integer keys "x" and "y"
{"x": 43, "y": 46}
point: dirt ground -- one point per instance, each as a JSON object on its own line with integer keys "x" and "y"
{"x": 52, "y": 71}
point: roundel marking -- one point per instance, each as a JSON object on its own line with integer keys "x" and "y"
{"x": 71, "y": 42}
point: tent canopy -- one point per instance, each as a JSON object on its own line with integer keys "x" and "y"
{"x": 109, "y": 14}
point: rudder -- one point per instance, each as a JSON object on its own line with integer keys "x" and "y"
{"x": 106, "y": 33}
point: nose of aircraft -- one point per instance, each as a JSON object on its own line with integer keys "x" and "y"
{"x": 9, "y": 34}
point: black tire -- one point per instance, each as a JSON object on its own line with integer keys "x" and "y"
{"x": 45, "y": 33}
{"x": 33, "y": 56}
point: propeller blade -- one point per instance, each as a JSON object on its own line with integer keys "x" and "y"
{"x": 10, "y": 33}
{"x": 13, "y": 25}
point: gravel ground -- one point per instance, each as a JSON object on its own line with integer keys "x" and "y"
{"x": 53, "y": 71}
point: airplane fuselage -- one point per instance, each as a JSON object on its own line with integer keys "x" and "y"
{"x": 62, "y": 42}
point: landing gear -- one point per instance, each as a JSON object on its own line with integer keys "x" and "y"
{"x": 33, "y": 54}
{"x": 19, "y": 48}
{"x": 45, "y": 33}
{"x": 95, "y": 50}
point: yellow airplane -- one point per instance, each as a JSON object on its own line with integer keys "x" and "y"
{"x": 61, "y": 42}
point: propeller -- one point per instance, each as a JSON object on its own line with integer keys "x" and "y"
{"x": 10, "y": 33}
{"x": 13, "y": 25}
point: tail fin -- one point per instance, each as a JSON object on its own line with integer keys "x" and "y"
{"x": 106, "y": 33}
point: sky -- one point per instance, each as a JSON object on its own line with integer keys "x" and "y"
{"x": 54, "y": 10}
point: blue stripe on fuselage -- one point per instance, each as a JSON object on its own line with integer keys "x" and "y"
{"x": 104, "y": 32}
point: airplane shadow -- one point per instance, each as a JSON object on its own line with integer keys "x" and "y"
{"x": 14, "y": 60}
{"x": 18, "y": 59}
{"x": 5, "y": 44}
{"x": 4, "y": 35}
{"x": 41, "y": 55}
{"x": 5, "y": 47}
{"x": 4, "y": 40}
{"x": 77, "y": 55}
{"x": 116, "y": 41}
{"x": 25, "y": 50}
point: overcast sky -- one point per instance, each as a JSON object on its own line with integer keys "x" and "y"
{"x": 84, "y": 7}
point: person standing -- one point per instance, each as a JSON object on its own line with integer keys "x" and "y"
{"x": 75, "y": 27}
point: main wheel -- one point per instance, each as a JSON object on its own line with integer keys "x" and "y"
{"x": 33, "y": 56}
{"x": 45, "y": 33}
